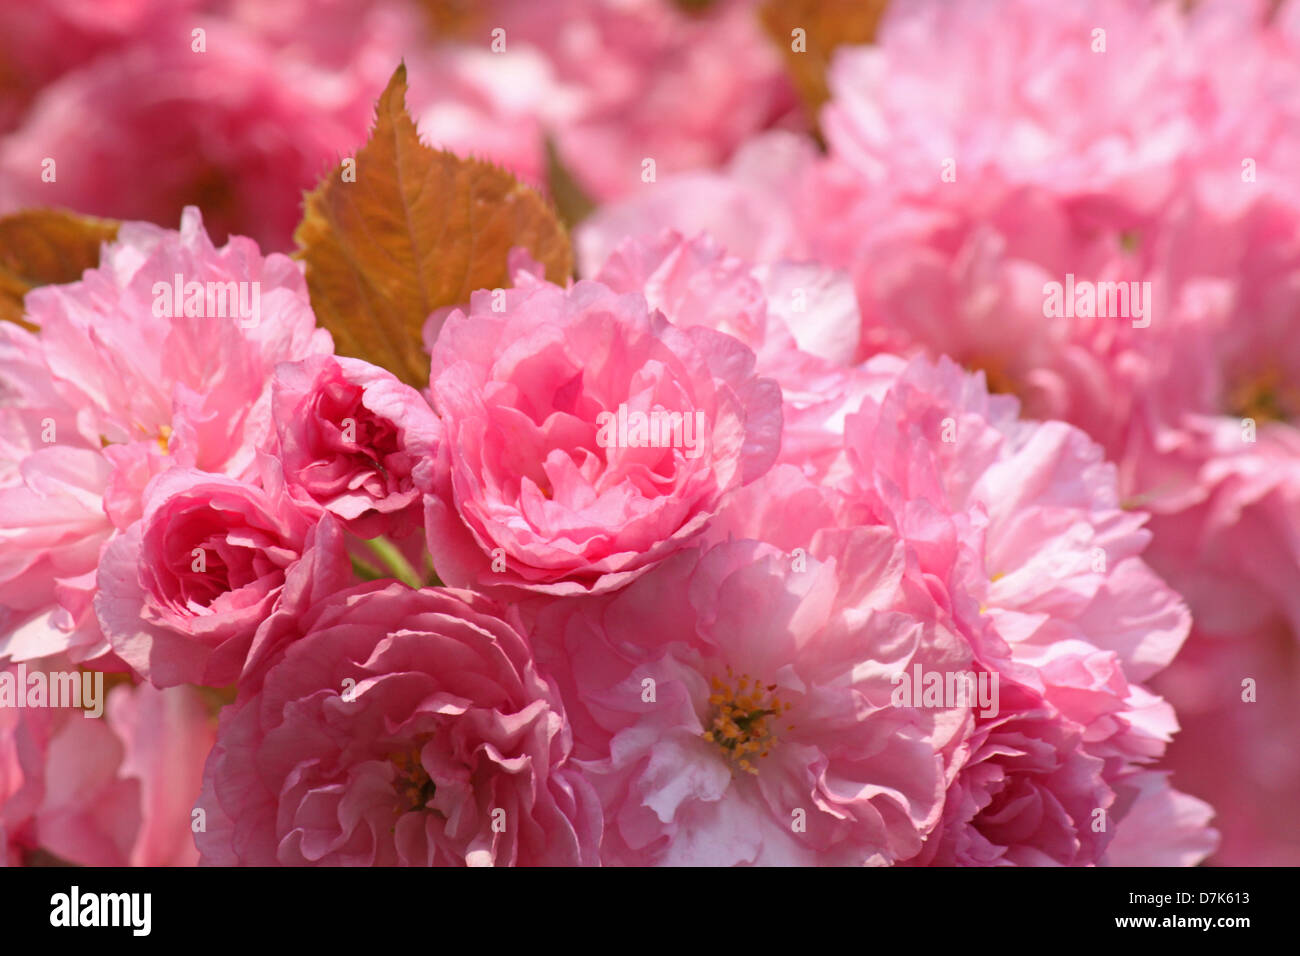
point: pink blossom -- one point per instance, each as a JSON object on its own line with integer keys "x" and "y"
{"x": 1214, "y": 453}
{"x": 753, "y": 206}
{"x": 773, "y": 309}
{"x": 1237, "y": 703}
{"x": 402, "y": 728}
{"x": 647, "y": 80}
{"x": 115, "y": 791}
{"x": 800, "y": 318}
{"x": 548, "y": 489}
{"x": 748, "y": 718}
{"x": 1096, "y": 100}
{"x": 245, "y": 130}
{"x": 1020, "y": 525}
{"x": 349, "y": 435}
{"x": 1015, "y": 550}
{"x": 182, "y": 592}
{"x": 119, "y": 385}
{"x": 489, "y": 105}
{"x": 1214, "y": 450}
{"x": 40, "y": 43}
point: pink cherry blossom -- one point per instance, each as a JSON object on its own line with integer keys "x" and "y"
{"x": 115, "y": 791}
{"x": 645, "y": 79}
{"x": 401, "y": 728}
{"x": 244, "y": 128}
{"x": 1020, "y": 525}
{"x": 182, "y": 592}
{"x": 748, "y": 720}
{"x": 120, "y": 385}
{"x": 550, "y": 486}
{"x": 1015, "y": 530}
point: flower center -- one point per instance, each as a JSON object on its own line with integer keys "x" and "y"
{"x": 741, "y": 718}
{"x": 996, "y": 376}
{"x": 162, "y": 437}
{"x": 1265, "y": 397}
{"x": 412, "y": 785}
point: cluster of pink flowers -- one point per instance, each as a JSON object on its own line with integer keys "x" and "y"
{"x": 146, "y": 106}
{"x": 1094, "y": 205}
{"x": 922, "y": 493}
{"x": 828, "y": 613}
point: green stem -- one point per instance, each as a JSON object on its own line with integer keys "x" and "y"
{"x": 395, "y": 561}
{"x": 365, "y": 570}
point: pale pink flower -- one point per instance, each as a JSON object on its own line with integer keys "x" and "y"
{"x": 800, "y": 318}
{"x": 646, "y": 80}
{"x": 401, "y": 728}
{"x": 1162, "y": 826}
{"x": 1214, "y": 450}
{"x": 115, "y": 791}
{"x": 1020, "y": 526}
{"x": 1214, "y": 454}
{"x": 734, "y": 706}
{"x": 1016, "y": 532}
{"x": 553, "y": 485}
{"x": 773, "y": 309}
{"x": 754, "y": 206}
{"x": 492, "y": 106}
{"x": 1089, "y": 101}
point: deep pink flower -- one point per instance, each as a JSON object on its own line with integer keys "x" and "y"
{"x": 246, "y": 127}
{"x": 402, "y": 728}
{"x": 348, "y": 435}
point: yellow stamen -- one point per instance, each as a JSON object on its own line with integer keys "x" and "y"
{"x": 740, "y": 722}
{"x": 411, "y": 783}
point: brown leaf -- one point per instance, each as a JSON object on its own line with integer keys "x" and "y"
{"x": 826, "y": 25}
{"x": 419, "y": 229}
{"x": 570, "y": 199}
{"x": 45, "y": 247}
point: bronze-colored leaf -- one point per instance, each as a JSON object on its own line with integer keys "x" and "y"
{"x": 417, "y": 230}
{"x": 570, "y": 199}
{"x": 45, "y": 247}
{"x": 826, "y": 25}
